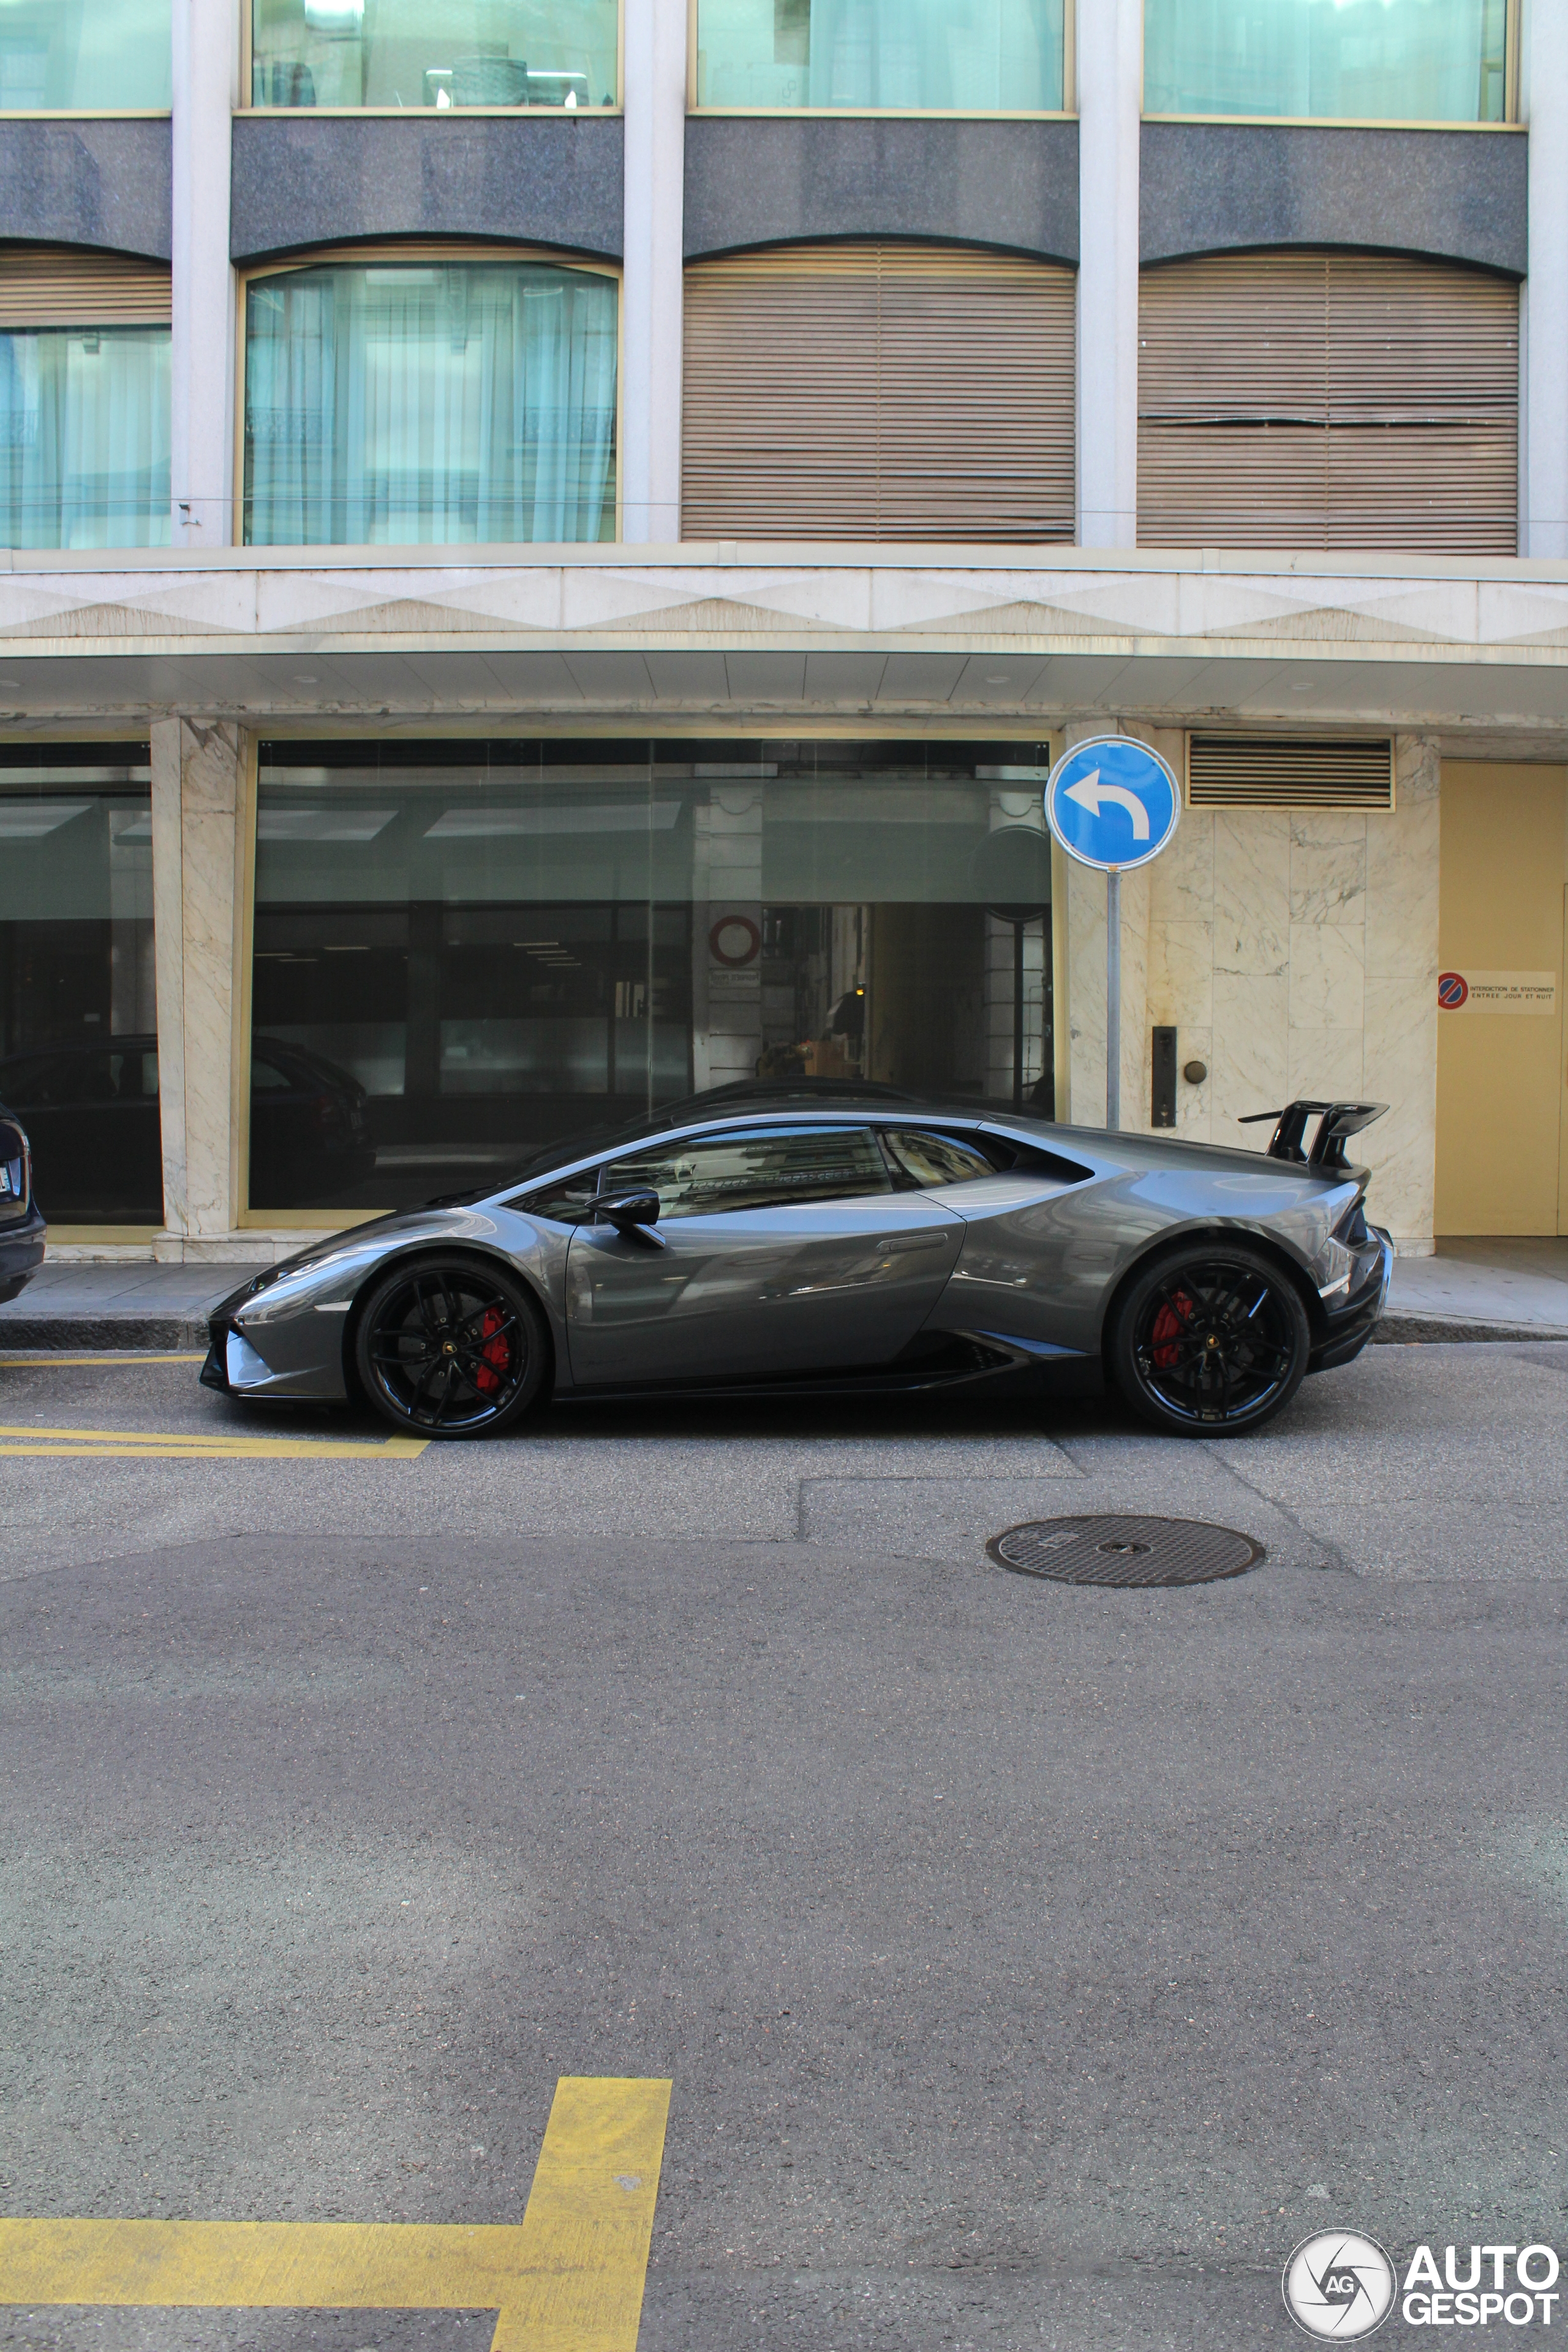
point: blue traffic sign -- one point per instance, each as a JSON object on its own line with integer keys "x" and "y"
{"x": 1112, "y": 803}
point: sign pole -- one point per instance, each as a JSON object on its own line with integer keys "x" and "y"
{"x": 1113, "y": 804}
{"x": 1113, "y": 998}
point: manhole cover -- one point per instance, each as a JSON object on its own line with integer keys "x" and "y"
{"x": 1120, "y": 1550}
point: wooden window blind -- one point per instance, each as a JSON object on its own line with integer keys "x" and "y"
{"x": 1327, "y": 399}
{"x": 46, "y": 286}
{"x": 879, "y": 392}
{"x": 1274, "y": 771}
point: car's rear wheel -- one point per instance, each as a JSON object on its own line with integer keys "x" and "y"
{"x": 449, "y": 1348}
{"x": 1210, "y": 1342}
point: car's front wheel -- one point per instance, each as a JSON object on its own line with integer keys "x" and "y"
{"x": 1210, "y": 1342}
{"x": 448, "y": 1348}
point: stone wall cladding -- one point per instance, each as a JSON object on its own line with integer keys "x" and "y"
{"x": 1218, "y": 187}
{"x": 94, "y": 183}
{"x": 756, "y": 180}
{"x": 308, "y": 180}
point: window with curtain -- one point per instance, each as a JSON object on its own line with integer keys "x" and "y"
{"x": 420, "y": 403}
{"x": 84, "y": 437}
{"x": 954, "y": 56}
{"x": 434, "y": 53}
{"x": 1368, "y": 60}
{"x": 85, "y": 57}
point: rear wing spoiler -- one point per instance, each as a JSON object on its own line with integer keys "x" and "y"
{"x": 1336, "y": 1121}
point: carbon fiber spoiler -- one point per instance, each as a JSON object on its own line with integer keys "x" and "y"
{"x": 1336, "y": 1121}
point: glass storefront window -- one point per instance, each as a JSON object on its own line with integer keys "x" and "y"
{"x": 429, "y": 403}
{"x": 79, "y": 1018}
{"x": 1366, "y": 60}
{"x": 434, "y": 53}
{"x": 978, "y": 57}
{"x": 465, "y": 951}
{"x": 84, "y": 436}
{"x": 85, "y": 57}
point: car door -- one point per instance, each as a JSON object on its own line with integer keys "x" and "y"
{"x": 779, "y": 1248}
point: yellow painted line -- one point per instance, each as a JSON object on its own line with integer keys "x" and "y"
{"x": 569, "y": 2278}
{"x": 20, "y": 1437}
{"x": 46, "y": 1363}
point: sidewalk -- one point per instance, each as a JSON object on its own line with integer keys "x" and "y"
{"x": 1481, "y": 1289}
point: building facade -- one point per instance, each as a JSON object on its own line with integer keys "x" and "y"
{"x": 548, "y": 547}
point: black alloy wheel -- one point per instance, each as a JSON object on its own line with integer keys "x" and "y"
{"x": 450, "y": 1348}
{"x": 1210, "y": 1342}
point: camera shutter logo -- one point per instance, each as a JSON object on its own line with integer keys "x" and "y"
{"x": 1338, "y": 2286}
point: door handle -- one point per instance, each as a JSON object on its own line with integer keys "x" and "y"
{"x": 912, "y": 1241}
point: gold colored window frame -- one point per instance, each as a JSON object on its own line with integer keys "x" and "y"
{"x": 1066, "y": 113}
{"x": 1513, "y": 34}
{"x": 419, "y": 113}
{"x": 397, "y": 252}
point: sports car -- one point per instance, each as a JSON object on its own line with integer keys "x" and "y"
{"x": 821, "y": 1236}
{"x": 22, "y": 1227}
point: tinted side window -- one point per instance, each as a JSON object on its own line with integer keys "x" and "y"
{"x": 767, "y": 1169}
{"x": 925, "y": 1158}
{"x": 566, "y": 1203}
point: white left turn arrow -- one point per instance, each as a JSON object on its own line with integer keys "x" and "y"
{"x": 1091, "y": 794}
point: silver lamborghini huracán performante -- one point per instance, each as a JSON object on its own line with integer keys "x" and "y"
{"x": 820, "y": 1237}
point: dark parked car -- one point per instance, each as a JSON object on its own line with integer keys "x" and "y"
{"x": 804, "y": 1237}
{"x": 93, "y": 1114}
{"x": 22, "y": 1228}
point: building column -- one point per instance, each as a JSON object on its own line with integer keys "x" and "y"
{"x": 1110, "y": 99}
{"x": 202, "y": 422}
{"x": 653, "y": 285}
{"x": 1544, "y": 388}
{"x": 197, "y": 799}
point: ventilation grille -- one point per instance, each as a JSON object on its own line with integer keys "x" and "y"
{"x": 879, "y": 392}
{"x": 1237, "y": 772}
{"x": 42, "y": 286}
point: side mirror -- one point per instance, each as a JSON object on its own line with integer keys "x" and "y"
{"x": 627, "y": 1211}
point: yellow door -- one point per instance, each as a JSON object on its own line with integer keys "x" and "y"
{"x": 1502, "y": 1091}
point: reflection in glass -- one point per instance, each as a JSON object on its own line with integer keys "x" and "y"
{"x": 430, "y": 403}
{"x": 79, "y": 1044}
{"x": 484, "y": 947}
{"x": 85, "y": 57}
{"x": 965, "y": 56}
{"x": 1372, "y": 60}
{"x": 84, "y": 437}
{"x": 434, "y": 53}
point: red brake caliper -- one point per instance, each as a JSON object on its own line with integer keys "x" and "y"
{"x": 1167, "y": 1331}
{"x": 495, "y": 1353}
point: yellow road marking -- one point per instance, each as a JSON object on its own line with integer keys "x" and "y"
{"x": 570, "y": 2278}
{"x": 42, "y": 1363}
{"x": 192, "y": 1445}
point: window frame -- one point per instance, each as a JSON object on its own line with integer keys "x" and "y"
{"x": 1512, "y": 121}
{"x": 1066, "y": 113}
{"x": 416, "y": 250}
{"x": 403, "y": 113}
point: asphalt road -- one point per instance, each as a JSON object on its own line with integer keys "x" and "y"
{"x": 1033, "y": 1966}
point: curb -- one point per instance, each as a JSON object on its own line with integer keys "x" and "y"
{"x": 130, "y": 1333}
{"x": 1432, "y": 1330}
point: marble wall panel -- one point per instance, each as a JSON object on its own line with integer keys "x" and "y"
{"x": 1252, "y": 891}
{"x": 1400, "y": 1068}
{"x": 1327, "y": 976}
{"x": 196, "y": 803}
{"x": 1328, "y": 867}
{"x": 1251, "y": 1049}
